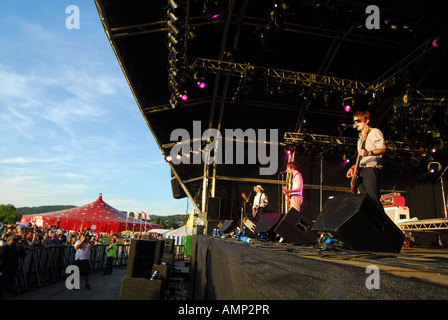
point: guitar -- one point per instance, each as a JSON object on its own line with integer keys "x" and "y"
{"x": 288, "y": 198}
{"x": 355, "y": 176}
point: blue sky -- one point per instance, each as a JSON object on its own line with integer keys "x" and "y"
{"x": 70, "y": 127}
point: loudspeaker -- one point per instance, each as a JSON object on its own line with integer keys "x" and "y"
{"x": 219, "y": 209}
{"x": 140, "y": 289}
{"x": 141, "y": 258}
{"x": 228, "y": 226}
{"x": 267, "y": 222}
{"x": 178, "y": 191}
{"x": 160, "y": 248}
{"x": 295, "y": 228}
{"x": 359, "y": 224}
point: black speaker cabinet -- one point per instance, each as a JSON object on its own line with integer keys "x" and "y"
{"x": 267, "y": 222}
{"x": 219, "y": 209}
{"x": 359, "y": 224}
{"x": 295, "y": 228}
{"x": 178, "y": 191}
{"x": 142, "y": 256}
{"x": 228, "y": 226}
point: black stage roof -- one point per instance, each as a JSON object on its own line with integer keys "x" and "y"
{"x": 288, "y": 66}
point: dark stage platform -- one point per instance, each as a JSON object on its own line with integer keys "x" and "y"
{"x": 229, "y": 269}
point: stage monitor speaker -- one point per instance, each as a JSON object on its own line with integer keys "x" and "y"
{"x": 267, "y": 222}
{"x": 219, "y": 209}
{"x": 359, "y": 224}
{"x": 228, "y": 226}
{"x": 178, "y": 191}
{"x": 141, "y": 258}
{"x": 295, "y": 228}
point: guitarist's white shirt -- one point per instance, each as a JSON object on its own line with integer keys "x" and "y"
{"x": 260, "y": 200}
{"x": 375, "y": 140}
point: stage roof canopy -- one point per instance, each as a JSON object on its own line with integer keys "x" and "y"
{"x": 292, "y": 66}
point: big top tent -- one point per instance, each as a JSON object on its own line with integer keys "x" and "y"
{"x": 97, "y": 216}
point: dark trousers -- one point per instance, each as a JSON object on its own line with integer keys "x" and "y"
{"x": 109, "y": 262}
{"x": 369, "y": 182}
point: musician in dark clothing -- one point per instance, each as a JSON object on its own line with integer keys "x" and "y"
{"x": 370, "y": 151}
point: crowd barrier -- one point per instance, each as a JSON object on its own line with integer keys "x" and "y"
{"x": 43, "y": 266}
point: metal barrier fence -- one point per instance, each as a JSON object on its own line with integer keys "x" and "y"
{"x": 43, "y": 266}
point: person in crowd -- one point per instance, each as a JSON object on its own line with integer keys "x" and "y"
{"x": 82, "y": 257}
{"x": 111, "y": 255}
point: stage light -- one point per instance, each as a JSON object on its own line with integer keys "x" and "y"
{"x": 214, "y": 8}
{"x": 434, "y": 167}
{"x": 173, "y": 101}
{"x": 199, "y": 80}
{"x": 184, "y": 96}
{"x": 173, "y": 4}
{"x": 168, "y": 158}
{"x": 201, "y": 85}
{"x": 435, "y": 42}
{"x": 347, "y": 103}
{"x": 172, "y": 28}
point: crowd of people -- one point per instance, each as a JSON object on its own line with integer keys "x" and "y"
{"x": 17, "y": 239}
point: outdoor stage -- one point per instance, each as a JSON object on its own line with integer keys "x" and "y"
{"x": 229, "y": 269}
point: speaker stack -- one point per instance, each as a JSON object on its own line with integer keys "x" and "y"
{"x": 359, "y": 224}
{"x": 144, "y": 258}
{"x": 218, "y": 210}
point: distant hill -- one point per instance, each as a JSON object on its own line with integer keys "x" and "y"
{"x": 42, "y": 209}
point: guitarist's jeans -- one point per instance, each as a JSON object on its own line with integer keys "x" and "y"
{"x": 369, "y": 182}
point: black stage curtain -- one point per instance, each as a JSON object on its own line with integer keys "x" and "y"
{"x": 425, "y": 200}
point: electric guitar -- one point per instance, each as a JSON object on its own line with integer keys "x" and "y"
{"x": 355, "y": 175}
{"x": 288, "y": 198}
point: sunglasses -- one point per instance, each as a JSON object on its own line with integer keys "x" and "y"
{"x": 357, "y": 121}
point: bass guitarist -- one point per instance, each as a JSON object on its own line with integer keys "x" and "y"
{"x": 295, "y": 192}
{"x": 365, "y": 174}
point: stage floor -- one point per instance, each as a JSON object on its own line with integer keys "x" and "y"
{"x": 231, "y": 269}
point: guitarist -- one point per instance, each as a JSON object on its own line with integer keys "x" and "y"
{"x": 371, "y": 147}
{"x": 260, "y": 202}
{"x": 295, "y": 193}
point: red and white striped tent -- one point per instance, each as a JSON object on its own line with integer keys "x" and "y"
{"x": 97, "y": 216}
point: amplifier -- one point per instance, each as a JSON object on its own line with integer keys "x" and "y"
{"x": 393, "y": 201}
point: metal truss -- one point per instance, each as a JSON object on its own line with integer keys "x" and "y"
{"x": 424, "y": 225}
{"x": 280, "y": 75}
{"x": 324, "y": 140}
{"x": 404, "y": 64}
{"x": 318, "y": 139}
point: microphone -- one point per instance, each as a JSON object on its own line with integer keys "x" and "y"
{"x": 283, "y": 172}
